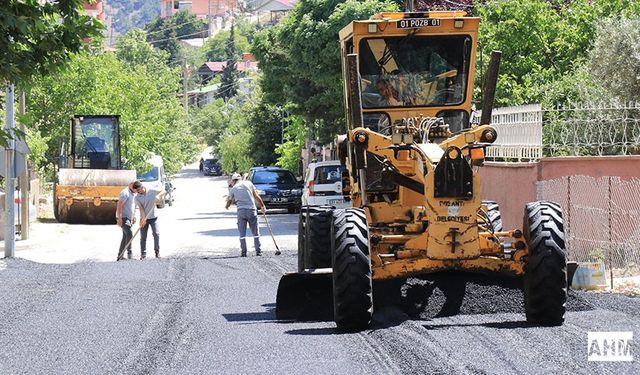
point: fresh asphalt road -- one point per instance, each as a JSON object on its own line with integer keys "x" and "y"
{"x": 66, "y": 307}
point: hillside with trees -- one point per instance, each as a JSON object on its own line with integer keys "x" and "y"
{"x": 127, "y": 14}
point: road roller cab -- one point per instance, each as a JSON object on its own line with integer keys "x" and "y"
{"x": 90, "y": 173}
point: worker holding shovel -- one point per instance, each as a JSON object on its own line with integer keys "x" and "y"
{"x": 125, "y": 216}
{"x": 245, "y": 196}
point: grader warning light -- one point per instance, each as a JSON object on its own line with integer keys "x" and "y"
{"x": 410, "y": 151}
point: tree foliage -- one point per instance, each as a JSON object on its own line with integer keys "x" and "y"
{"x": 165, "y": 33}
{"x": 37, "y": 38}
{"x": 614, "y": 61}
{"x": 542, "y": 42}
{"x": 229, "y": 80}
{"x": 128, "y": 14}
{"x": 289, "y": 152}
{"x": 216, "y": 46}
{"x": 144, "y": 95}
{"x": 300, "y": 59}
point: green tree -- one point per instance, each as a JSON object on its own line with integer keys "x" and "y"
{"x": 300, "y": 59}
{"x": 33, "y": 40}
{"x": 289, "y": 152}
{"x": 152, "y": 118}
{"x": 133, "y": 49}
{"x": 164, "y": 33}
{"x": 229, "y": 80}
{"x": 267, "y": 123}
{"x": 614, "y": 61}
{"x": 551, "y": 45}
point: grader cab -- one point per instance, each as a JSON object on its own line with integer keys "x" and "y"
{"x": 411, "y": 153}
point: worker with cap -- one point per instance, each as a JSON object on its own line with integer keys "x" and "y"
{"x": 245, "y": 196}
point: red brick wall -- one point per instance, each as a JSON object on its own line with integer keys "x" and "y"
{"x": 512, "y": 185}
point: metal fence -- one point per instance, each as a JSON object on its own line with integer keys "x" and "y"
{"x": 592, "y": 129}
{"x": 529, "y": 132}
{"x": 602, "y": 219}
{"x": 519, "y": 133}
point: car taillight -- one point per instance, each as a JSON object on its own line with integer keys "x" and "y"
{"x": 311, "y": 192}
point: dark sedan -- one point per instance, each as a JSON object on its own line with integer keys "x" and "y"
{"x": 277, "y": 187}
{"x": 211, "y": 167}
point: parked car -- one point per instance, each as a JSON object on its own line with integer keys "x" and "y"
{"x": 168, "y": 195}
{"x": 155, "y": 178}
{"x": 277, "y": 187}
{"x": 211, "y": 167}
{"x": 323, "y": 185}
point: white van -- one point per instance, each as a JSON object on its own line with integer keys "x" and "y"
{"x": 155, "y": 179}
{"x": 323, "y": 185}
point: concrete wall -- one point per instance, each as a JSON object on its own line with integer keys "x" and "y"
{"x": 512, "y": 185}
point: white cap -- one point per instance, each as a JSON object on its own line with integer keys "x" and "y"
{"x": 236, "y": 176}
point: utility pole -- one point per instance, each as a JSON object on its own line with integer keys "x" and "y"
{"x": 209, "y": 18}
{"x": 23, "y": 180}
{"x": 185, "y": 86}
{"x": 9, "y": 180}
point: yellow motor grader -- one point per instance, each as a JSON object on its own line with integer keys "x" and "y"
{"x": 411, "y": 154}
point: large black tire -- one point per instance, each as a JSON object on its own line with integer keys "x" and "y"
{"x": 352, "y": 289}
{"x": 493, "y": 214}
{"x": 314, "y": 240}
{"x": 545, "y": 270}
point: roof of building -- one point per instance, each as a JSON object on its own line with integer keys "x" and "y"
{"x": 218, "y": 66}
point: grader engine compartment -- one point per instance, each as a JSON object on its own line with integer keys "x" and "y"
{"x": 411, "y": 156}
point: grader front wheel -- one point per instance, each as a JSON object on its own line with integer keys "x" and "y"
{"x": 352, "y": 288}
{"x": 545, "y": 271}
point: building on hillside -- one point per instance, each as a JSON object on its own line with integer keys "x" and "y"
{"x": 94, "y": 9}
{"x": 201, "y": 8}
{"x": 210, "y": 69}
{"x": 270, "y": 12}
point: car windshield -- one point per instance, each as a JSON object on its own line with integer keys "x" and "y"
{"x": 414, "y": 71}
{"x": 273, "y": 177}
{"x": 210, "y": 162}
{"x": 152, "y": 175}
{"x": 328, "y": 174}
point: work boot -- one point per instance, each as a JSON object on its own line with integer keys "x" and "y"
{"x": 258, "y": 253}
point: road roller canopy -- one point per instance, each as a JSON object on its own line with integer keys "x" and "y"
{"x": 95, "y": 142}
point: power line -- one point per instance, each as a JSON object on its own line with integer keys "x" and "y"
{"x": 177, "y": 37}
{"x": 173, "y": 27}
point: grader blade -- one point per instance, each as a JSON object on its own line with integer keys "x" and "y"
{"x": 305, "y": 295}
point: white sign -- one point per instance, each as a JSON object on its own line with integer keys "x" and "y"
{"x": 610, "y": 346}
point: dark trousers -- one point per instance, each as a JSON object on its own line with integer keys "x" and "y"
{"x": 248, "y": 216}
{"x": 155, "y": 230}
{"x": 126, "y": 236}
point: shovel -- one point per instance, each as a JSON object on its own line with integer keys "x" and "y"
{"x": 264, "y": 214}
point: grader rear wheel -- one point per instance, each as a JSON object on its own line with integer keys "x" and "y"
{"x": 545, "y": 271}
{"x": 314, "y": 239}
{"x": 352, "y": 288}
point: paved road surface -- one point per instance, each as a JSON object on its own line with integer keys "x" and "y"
{"x": 66, "y": 307}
